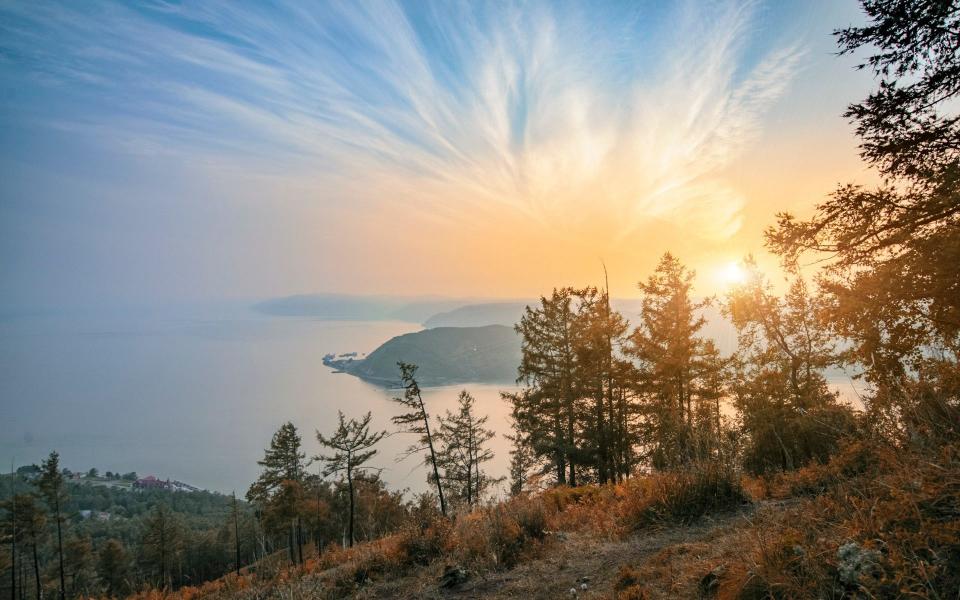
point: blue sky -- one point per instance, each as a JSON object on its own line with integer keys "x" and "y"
{"x": 168, "y": 151}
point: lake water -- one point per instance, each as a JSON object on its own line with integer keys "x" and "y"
{"x": 196, "y": 396}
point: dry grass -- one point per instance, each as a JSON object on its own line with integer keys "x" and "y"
{"x": 873, "y": 522}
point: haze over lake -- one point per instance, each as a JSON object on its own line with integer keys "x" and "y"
{"x": 195, "y": 395}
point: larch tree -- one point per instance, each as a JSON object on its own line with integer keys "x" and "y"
{"x": 462, "y": 437}
{"x": 667, "y": 348}
{"x": 546, "y": 410}
{"x": 788, "y": 411}
{"x": 352, "y": 445}
{"x": 417, "y": 421}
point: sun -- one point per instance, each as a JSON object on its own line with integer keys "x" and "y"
{"x": 732, "y": 274}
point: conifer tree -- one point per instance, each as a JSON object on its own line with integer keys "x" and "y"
{"x": 353, "y": 445}
{"x": 51, "y": 486}
{"x": 787, "y": 409}
{"x": 80, "y": 564}
{"x": 417, "y": 421}
{"x": 113, "y": 568}
{"x": 161, "y": 541}
{"x": 605, "y": 378}
{"x": 547, "y": 409}
{"x": 25, "y": 524}
{"x": 235, "y": 517}
{"x": 892, "y": 281}
{"x": 522, "y": 461}
{"x": 667, "y": 347}
{"x": 463, "y": 437}
{"x": 278, "y": 489}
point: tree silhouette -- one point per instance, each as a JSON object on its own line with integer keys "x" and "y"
{"x": 417, "y": 421}
{"x": 352, "y": 444}
{"x": 51, "y": 486}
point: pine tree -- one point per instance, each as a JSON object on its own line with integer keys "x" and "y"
{"x": 417, "y": 421}
{"x": 113, "y": 568}
{"x": 52, "y": 487}
{"x": 80, "y": 564}
{"x": 279, "y": 488}
{"x": 352, "y": 444}
{"x": 892, "y": 281}
{"x": 25, "y": 524}
{"x": 235, "y": 517}
{"x": 161, "y": 541}
{"x": 605, "y": 379}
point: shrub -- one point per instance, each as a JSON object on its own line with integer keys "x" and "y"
{"x": 791, "y": 440}
{"x": 420, "y": 544}
{"x": 854, "y": 459}
{"x": 629, "y": 585}
{"x": 683, "y": 496}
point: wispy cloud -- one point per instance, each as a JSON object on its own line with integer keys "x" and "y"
{"x": 578, "y": 119}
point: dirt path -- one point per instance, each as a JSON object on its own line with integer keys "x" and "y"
{"x": 568, "y": 560}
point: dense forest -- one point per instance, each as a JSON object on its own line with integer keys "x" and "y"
{"x": 634, "y": 420}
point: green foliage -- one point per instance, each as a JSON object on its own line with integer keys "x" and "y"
{"x": 576, "y": 413}
{"x": 678, "y": 370}
{"x": 787, "y": 412}
{"x": 282, "y": 461}
{"x": 462, "y": 438}
{"x": 353, "y": 445}
{"x": 417, "y": 421}
{"x": 892, "y": 285}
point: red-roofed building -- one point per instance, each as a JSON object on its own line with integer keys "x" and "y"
{"x": 151, "y": 482}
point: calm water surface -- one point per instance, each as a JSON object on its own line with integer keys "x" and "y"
{"x": 196, "y": 396}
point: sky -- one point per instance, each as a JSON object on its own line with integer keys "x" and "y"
{"x": 170, "y": 152}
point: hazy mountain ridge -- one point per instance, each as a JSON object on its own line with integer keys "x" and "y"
{"x": 717, "y": 327}
{"x": 347, "y": 307}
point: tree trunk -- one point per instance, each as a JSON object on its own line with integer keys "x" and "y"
{"x": 63, "y": 587}
{"x": 350, "y": 489}
{"x": 13, "y": 555}
{"x": 236, "y": 532}
{"x": 433, "y": 458}
{"x": 319, "y": 542}
{"x": 163, "y": 557}
{"x": 293, "y": 556}
{"x": 36, "y": 571}
{"x": 300, "y": 539}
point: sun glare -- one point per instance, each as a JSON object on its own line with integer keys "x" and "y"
{"x": 732, "y": 274}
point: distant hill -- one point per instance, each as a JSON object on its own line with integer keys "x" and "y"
{"x": 445, "y": 355}
{"x": 478, "y": 315}
{"x": 717, "y": 327}
{"x": 345, "y": 307}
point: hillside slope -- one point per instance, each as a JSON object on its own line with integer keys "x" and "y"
{"x": 445, "y": 355}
